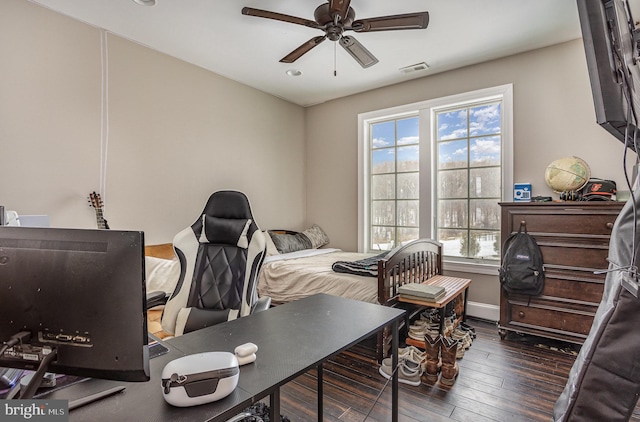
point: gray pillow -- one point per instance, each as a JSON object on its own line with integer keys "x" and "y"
{"x": 290, "y": 242}
{"x": 317, "y": 236}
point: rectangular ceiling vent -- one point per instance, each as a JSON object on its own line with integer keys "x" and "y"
{"x": 414, "y": 68}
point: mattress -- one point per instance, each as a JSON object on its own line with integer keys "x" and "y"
{"x": 288, "y": 277}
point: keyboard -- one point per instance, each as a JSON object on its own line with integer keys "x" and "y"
{"x": 156, "y": 347}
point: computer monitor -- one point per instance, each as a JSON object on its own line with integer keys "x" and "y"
{"x": 79, "y": 293}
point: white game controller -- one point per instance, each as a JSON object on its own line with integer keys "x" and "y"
{"x": 246, "y": 353}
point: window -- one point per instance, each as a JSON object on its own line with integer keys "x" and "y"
{"x": 438, "y": 169}
{"x": 468, "y": 177}
{"x": 394, "y": 183}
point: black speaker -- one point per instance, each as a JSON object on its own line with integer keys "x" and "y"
{"x": 570, "y": 195}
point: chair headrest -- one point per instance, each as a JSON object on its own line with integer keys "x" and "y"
{"x": 226, "y": 219}
{"x": 226, "y": 231}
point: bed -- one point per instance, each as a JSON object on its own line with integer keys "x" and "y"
{"x": 162, "y": 272}
{"x": 300, "y": 273}
{"x": 294, "y": 275}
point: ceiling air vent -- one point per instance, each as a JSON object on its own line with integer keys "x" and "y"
{"x": 414, "y": 68}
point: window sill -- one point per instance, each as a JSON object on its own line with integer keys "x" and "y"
{"x": 471, "y": 267}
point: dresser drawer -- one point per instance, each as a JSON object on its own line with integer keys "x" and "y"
{"x": 565, "y": 222}
{"x": 565, "y": 287}
{"x": 549, "y": 319}
{"x": 565, "y": 255}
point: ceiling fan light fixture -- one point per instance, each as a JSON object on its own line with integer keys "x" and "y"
{"x": 145, "y": 2}
{"x": 294, "y": 72}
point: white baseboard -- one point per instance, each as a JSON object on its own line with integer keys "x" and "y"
{"x": 483, "y": 311}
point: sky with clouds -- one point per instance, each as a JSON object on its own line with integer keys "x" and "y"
{"x": 481, "y": 124}
{"x": 468, "y": 133}
{"x": 402, "y": 133}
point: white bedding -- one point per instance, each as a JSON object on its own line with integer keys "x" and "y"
{"x": 296, "y": 275}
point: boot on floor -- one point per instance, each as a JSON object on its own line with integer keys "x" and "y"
{"x": 432, "y": 352}
{"x": 448, "y": 350}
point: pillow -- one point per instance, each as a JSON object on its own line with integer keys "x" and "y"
{"x": 271, "y": 247}
{"x": 227, "y": 231}
{"x": 317, "y": 236}
{"x": 161, "y": 274}
{"x": 290, "y": 242}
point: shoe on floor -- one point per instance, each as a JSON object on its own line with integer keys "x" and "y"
{"x": 413, "y": 356}
{"x": 406, "y": 374}
{"x": 463, "y": 336}
{"x": 410, "y": 352}
{"x": 411, "y": 349}
{"x": 466, "y": 327}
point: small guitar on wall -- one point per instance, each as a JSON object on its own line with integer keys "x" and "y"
{"x": 96, "y": 202}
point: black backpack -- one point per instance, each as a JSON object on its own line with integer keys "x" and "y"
{"x": 522, "y": 269}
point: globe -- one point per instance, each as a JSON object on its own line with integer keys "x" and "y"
{"x": 567, "y": 174}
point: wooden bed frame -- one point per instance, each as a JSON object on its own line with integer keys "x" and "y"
{"x": 414, "y": 262}
{"x": 164, "y": 251}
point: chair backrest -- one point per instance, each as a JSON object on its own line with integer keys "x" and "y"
{"x": 220, "y": 257}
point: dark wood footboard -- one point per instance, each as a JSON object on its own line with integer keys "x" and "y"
{"x": 414, "y": 262}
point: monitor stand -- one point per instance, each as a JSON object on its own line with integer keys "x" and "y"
{"x": 74, "y": 404}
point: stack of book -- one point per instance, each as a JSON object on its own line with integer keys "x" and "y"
{"x": 421, "y": 292}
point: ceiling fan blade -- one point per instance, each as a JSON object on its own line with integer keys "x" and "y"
{"x": 339, "y": 7}
{"x": 249, "y": 11}
{"x": 419, "y": 20}
{"x": 358, "y": 52}
{"x": 304, "y": 48}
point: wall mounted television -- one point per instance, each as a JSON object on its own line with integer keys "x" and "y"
{"x": 611, "y": 46}
{"x": 80, "y": 293}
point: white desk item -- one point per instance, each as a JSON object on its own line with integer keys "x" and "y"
{"x": 199, "y": 378}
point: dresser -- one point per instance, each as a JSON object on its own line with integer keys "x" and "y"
{"x": 574, "y": 240}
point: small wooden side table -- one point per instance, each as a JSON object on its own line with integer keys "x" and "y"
{"x": 453, "y": 288}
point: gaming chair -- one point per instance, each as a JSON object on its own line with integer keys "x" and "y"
{"x": 220, "y": 257}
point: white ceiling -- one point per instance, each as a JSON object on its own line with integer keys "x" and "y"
{"x": 215, "y": 35}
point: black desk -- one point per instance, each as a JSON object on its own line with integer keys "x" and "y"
{"x": 291, "y": 339}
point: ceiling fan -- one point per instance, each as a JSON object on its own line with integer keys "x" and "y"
{"x": 335, "y": 17}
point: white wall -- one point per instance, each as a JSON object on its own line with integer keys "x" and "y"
{"x": 176, "y": 132}
{"x": 553, "y": 117}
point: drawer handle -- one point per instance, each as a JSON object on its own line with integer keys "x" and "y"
{"x": 521, "y": 314}
{"x": 609, "y": 225}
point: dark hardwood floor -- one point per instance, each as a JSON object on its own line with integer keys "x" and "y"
{"x": 516, "y": 379}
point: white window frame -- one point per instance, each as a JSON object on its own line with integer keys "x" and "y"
{"x": 426, "y": 110}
